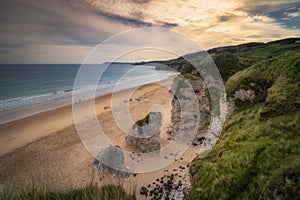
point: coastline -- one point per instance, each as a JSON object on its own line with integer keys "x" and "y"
{"x": 8, "y": 116}
{"x": 46, "y": 146}
{"x": 18, "y": 132}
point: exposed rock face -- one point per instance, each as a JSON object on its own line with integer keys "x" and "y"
{"x": 251, "y": 90}
{"x": 111, "y": 159}
{"x": 231, "y": 107}
{"x": 244, "y": 95}
{"x": 186, "y": 106}
{"x": 145, "y": 134}
{"x": 240, "y": 95}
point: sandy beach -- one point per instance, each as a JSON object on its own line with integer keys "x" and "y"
{"x": 46, "y": 146}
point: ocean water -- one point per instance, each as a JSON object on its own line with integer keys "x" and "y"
{"x": 26, "y": 86}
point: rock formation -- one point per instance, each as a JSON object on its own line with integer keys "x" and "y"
{"x": 145, "y": 133}
{"x": 185, "y": 105}
{"x": 244, "y": 95}
{"x": 111, "y": 159}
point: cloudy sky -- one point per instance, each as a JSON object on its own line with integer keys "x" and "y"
{"x": 65, "y": 31}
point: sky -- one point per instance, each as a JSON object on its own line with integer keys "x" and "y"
{"x": 65, "y": 31}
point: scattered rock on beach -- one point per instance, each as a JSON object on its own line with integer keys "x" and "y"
{"x": 143, "y": 191}
{"x": 169, "y": 186}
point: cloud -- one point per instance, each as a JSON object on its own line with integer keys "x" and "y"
{"x": 60, "y": 25}
{"x": 226, "y": 17}
{"x": 59, "y": 22}
{"x": 55, "y": 25}
{"x": 205, "y": 20}
{"x": 39, "y": 53}
{"x": 125, "y": 20}
{"x": 292, "y": 14}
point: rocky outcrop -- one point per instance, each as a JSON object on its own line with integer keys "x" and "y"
{"x": 145, "y": 133}
{"x": 185, "y": 105}
{"x": 244, "y": 95}
{"x": 231, "y": 107}
{"x": 240, "y": 95}
{"x": 111, "y": 160}
{"x": 249, "y": 91}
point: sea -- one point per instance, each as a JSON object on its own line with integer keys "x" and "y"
{"x": 33, "y": 88}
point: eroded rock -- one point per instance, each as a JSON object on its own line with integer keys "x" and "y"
{"x": 145, "y": 133}
{"x": 111, "y": 159}
{"x": 184, "y": 113}
{"x": 244, "y": 95}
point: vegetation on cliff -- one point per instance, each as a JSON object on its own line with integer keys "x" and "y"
{"x": 258, "y": 153}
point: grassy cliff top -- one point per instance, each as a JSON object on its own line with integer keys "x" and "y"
{"x": 258, "y": 153}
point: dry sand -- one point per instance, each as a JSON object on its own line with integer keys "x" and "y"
{"x": 47, "y": 147}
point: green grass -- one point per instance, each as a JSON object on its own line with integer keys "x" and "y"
{"x": 278, "y": 77}
{"x": 249, "y": 152}
{"x": 258, "y": 153}
{"x": 270, "y": 51}
{"x": 90, "y": 192}
{"x": 260, "y": 50}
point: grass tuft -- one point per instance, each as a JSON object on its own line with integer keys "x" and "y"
{"x": 90, "y": 192}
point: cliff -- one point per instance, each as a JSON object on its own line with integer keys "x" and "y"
{"x": 258, "y": 153}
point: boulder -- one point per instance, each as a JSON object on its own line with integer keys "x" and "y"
{"x": 143, "y": 191}
{"x": 145, "y": 133}
{"x": 111, "y": 159}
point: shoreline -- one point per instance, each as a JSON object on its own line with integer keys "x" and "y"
{"x": 34, "y": 109}
{"x": 47, "y": 146}
{"x": 45, "y": 122}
